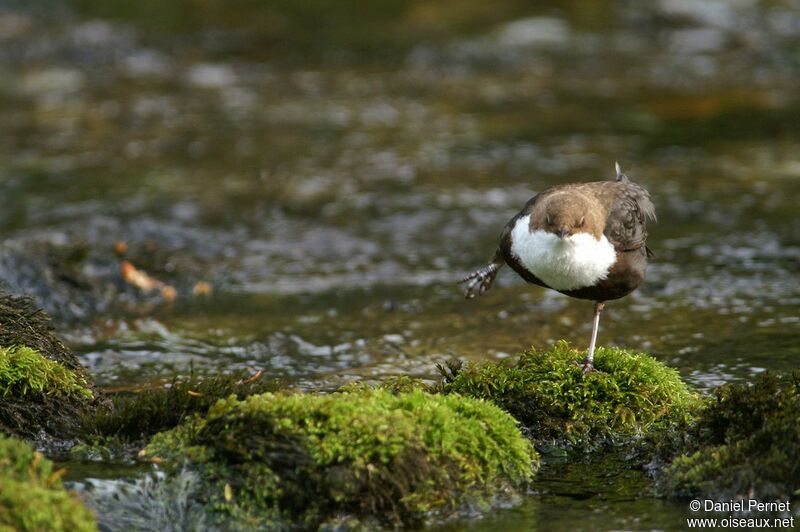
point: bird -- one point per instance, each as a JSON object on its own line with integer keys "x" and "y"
{"x": 584, "y": 240}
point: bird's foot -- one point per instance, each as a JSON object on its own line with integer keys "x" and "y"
{"x": 480, "y": 280}
{"x": 587, "y": 366}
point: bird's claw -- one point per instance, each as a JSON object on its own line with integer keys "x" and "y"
{"x": 479, "y": 281}
{"x": 586, "y": 365}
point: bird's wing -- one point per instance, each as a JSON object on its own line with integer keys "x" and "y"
{"x": 626, "y": 226}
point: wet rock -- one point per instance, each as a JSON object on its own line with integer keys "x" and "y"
{"x": 57, "y": 274}
{"x": 534, "y": 31}
{"x": 630, "y": 394}
{"x": 54, "y": 83}
{"x": 75, "y": 279}
{"x": 304, "y": 460}
{"x": 211, "y": 76}
{"x": 44, "y": 391}
{"x": 32, "y": 496}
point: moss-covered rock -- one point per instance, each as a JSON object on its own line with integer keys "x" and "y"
{"x": 22, "y": 322}
{"x": 32, "y": 497}
{"x": 120, "y": 427}
{"x": 305, "y": 459}
{"x": 745, "y": 443}
{"x": 628, "y": 395}
{"x": 44, "y": 390}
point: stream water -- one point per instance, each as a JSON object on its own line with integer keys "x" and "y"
{"x": 332, "y": 169}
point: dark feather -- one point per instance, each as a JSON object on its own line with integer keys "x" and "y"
{"x": 627, "y": 218}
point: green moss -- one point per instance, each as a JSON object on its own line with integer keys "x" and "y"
{"x": 304, "y": 459}
{"x": 32, "y": 497}
{"x": 394, "y": 384}
{"x": 44, "y": 391}
{"x": 24, "y": 370}
{"x": 629, "y": 394}
{"x": 745, "y": 442}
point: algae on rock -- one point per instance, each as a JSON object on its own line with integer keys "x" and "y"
{"x": 32, "y": 497}
{"x": 305, "y": 459}
{"x": 628, "y": 394}
{"x": 744, "y": 444}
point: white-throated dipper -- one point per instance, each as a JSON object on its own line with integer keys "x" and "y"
{"x": 585, "y": 240}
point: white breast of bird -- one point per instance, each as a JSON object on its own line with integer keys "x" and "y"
{"x": 576, "y": 261}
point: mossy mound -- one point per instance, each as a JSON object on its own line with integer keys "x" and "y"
{"x": 119, "y": 428}
{"x": 628, "y": 395}
{"x": 32, "y": 497}
{"x": 744, "y": 444}
{"x": 303, "y": 460}
{"x": 40, "y": 397}
{"x": 44, "y": 390}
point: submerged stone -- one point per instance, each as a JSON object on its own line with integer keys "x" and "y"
{"x": 628, "y": 395}
{"x": 44, "y": 390}
{"x": 32, "y": 496}
{"x": 306, "y": 460}
{"x": 745, "y": 444}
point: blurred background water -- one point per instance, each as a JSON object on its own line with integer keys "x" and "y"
{"x": 332, "y": 168}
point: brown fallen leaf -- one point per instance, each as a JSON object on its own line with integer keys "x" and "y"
{"x": 169, "y": 293}
{"x": 194, "y": 394}
{"x": 202, "y": 288}
{"x": 144, "y": 282}
{"x": 120, "y": 247}
{"x": 138, "y": 278}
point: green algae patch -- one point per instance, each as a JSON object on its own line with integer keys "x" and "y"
{"x": 304, "y": 460}
{"x": 628, "y": 395}
{"x": 744, "y": 444}
{"x": 24, "y": 370}
{"x": 32, "y": 497}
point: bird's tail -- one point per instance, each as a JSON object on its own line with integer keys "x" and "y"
{"x": 620, "y": 176}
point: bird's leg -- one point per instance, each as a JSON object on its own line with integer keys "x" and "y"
{"x": 481, "y": 280}
{"x": 588, "y": 364}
